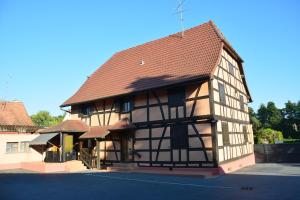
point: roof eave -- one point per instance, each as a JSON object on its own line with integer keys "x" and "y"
{"x": 199, "y": 78}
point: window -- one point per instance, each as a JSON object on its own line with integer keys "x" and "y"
{"x": 222, "y": 93}
{"x": 242, "y": 105}
{"x": 126, "y": 106}
{"x": 231, "y": 68}
{"x": 176, "y": 97}
{"x": 86, "y": 109}
{"x": 179, "y": 136}
{"x": 225, "y": 132}
{"x": 245, "y": 134}
{"x": 11, "y": 147}
{"x": 123, "y": 105}
{"x": 24, "y": 147}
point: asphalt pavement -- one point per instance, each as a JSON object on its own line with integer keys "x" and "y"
{"x": 263, "y": 181}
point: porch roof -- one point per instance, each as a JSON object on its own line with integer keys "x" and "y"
{"x": 68, "y": 126}
{"x": 96, "y": 132}
{"x": 43, "y": 139}
{"x": 102, "y": 131}
{"x": 122, "y": 125}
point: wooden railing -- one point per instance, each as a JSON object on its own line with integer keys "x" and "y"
{"x": 87, "y": 158}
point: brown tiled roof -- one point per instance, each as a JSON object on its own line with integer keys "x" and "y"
{"x": 95, "y": 132}
{"x": 71, "y": 126}
{"x": 162, "y": 62}
{"x": 102, "y": 131}
{"x": 121, "y": 125}
{"x": 14, "y": 113}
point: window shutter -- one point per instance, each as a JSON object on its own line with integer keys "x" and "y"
{"x": 179, "y": 136}
{"x": 176, "y": 97}
{"x": 225, "y": 134}
{"x": 222, "y": 93}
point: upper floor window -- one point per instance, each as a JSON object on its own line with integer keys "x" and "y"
{"x": 176, "y": 97}
{"x": 179, "y": 136}
{"x": 231, "y": 68}
{"x": 11, "y": 147}
{"x": 123, "y": 105}
{"x": 242, "y": 104}
{"x": 222, "y": 93}
{"x": 126, "y": 106}
{"x": 86, "y": 109}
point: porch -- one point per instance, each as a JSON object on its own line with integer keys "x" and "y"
{"x": 60, "y": 143}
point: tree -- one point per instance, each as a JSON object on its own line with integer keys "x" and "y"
{"x": 44, "y": 119}
{"x": 291, "y": 121}
{"x": 256, "y": 124}
{"x": 269, "y": 136}
{"x": 270, "y": 116}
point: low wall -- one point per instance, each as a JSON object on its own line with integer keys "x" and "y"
{"x": 237, "y": 164}
{"x": 277, "y": 153}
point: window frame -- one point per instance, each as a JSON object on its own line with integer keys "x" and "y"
{"x": 179, "y": 136}
{"x": 11, "y": 147}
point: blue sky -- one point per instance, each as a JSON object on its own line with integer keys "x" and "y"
{"x": 48, "y": 48}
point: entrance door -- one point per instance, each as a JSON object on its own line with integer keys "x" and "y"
{"x": 124, "y": 147}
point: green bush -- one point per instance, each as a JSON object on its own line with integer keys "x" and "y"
{"x": 269, "y": 136}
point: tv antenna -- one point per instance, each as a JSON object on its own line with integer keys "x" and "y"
{"x": 180, "y": 14}
{"x": 6, "y": 86}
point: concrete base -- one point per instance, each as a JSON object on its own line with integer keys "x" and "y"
{"x": 10, "y": 166}
{"x": 205, "y": 172}
{"x": 42, "y": 167}
{"x": 237, "y": 164}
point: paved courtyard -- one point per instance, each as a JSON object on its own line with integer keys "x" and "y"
{"x": 263, "y": 181}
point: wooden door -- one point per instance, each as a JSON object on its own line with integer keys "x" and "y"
{"x": 124, "y": 148}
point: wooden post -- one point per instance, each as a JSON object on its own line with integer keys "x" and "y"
{"x": 98, "y": 153}
{"x": 62, "y": 144}
{"x": 61, "y": 147}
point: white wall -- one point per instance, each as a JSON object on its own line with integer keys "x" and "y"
{"x": 12, "y": 158}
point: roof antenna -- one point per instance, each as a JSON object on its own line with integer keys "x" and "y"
{"x": 180, "y": 13}
{"x": 6, "y": 87}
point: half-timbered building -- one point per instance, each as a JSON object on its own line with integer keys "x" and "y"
{"x": 179, "y": 101}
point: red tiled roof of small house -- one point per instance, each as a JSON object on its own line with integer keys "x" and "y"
{"x": 13, "y": 113}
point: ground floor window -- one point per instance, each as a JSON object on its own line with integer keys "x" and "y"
{"x": 179, "y": 136}
{"x": 11, "y": 147}
{"x": 24, "y": 147}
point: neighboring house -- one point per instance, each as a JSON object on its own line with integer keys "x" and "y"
{"x": 16, "y": 131}
{"x": 172, "y": 102}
